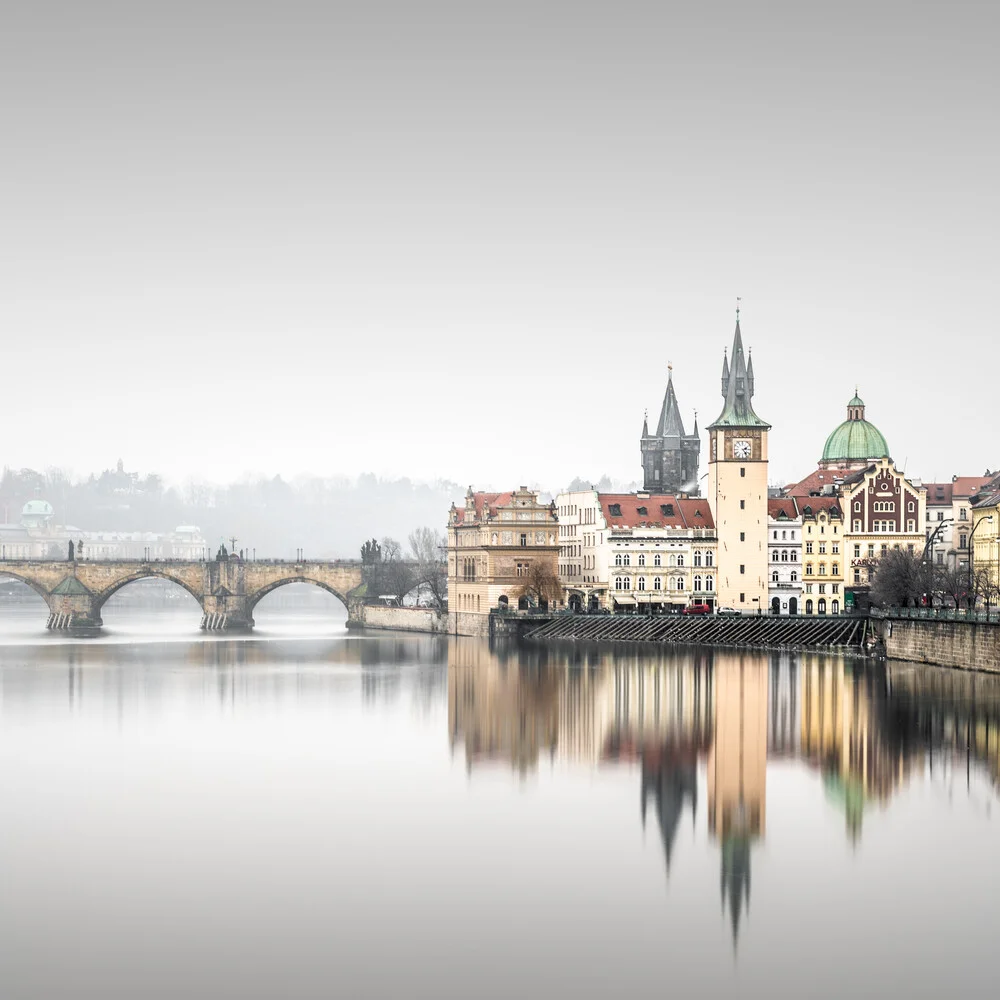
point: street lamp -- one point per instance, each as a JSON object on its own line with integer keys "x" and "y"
{"x": 988, "y": 517}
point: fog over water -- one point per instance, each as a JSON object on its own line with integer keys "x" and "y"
{"x": 311, "y": 813}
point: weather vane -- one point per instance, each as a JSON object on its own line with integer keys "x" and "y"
{"x": 738, "y": 300}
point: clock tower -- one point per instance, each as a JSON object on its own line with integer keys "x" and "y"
{"x": 737, "y": 487}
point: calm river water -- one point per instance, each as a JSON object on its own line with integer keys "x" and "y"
{"x": 308, "y": 813}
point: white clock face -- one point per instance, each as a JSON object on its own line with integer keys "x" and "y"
{"x": 741, "y": 449}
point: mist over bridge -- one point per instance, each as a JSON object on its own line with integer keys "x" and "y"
{"x": 227, "y": 589}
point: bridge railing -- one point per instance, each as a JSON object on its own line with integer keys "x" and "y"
{"x": 170, "y": 560}
{"x": 987, "y": 615}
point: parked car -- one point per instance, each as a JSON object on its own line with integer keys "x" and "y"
{"x": 697, "y": 609}
{"x": 729, "y": 612}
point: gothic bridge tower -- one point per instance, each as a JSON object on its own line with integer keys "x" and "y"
{"x": 670, "y": 456}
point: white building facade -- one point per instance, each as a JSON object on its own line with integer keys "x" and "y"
{"x": 784, "y": 555}
{"x": 636, "y": 552}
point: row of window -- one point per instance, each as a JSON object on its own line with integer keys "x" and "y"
{"x": 784, "y": 536}
{"x": 834, "y": 569}
{"x": 786, "y": 555}
{"x": 821, "y": 549}
{"x": 821, "y": 607}
{"x": 883, "y": 527}
{"x": 625, "y": 583}
{"x": 625, "y": 559}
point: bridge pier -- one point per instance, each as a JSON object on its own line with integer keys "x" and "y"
{"x": 76, "y": 611}
{"x": 226, "y": 613}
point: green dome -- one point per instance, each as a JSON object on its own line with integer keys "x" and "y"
{"x": 855, "y": 440}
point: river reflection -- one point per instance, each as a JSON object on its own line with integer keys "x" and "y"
{"x": 863, "y": 728}
{"x": 399, "y": 815}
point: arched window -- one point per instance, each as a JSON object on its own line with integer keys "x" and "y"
{"x": 657, "y": 583}
{"x": 642, "y": 558}
{"x": 642, "y": 583}
{"x": 656, "y": 559}
{"x": 834, "y": 607}
{"x": 822, "y": 569}
{"x": 697, "y": 583}
{"x": 708, "y": 558}
{"x": 821, "y": 606}
{"x": 795, "y": 576}
{"x": 784, "y": 535}
{"x": 680, "y": 583}
{"x": 709, "y": 583}
{"x": 697, "y": 558}
{"x": 673, "y": 559}
{"x": 680, "y": 559}
{"x": 774, "y": 558}
{"x": 835, "y": 568}
{"x": 792, "y": 557}
{"x": 626, "y": 560}
{"x": 809, "y": 607}
{"x": 774, "y": 577}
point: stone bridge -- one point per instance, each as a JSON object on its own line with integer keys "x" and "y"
{"x": 227, "y": 589}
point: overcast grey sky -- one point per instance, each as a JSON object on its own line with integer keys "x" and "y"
{"x": 464, "y": 239}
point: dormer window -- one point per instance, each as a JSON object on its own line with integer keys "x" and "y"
{"x": 615, "y": 509}
{"x": 667, "y": 509}
{"x": 642, "y": 511}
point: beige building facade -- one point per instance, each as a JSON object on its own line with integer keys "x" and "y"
{"x": 496, "y": 543}
{"x": 737, "y": 488}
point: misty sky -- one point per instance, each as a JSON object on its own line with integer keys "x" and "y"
{"x": 465, "y": 239}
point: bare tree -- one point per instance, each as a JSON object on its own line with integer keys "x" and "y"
{"x": 953, "y": 581}
{"x": 391, "y": 550}
{"x": 985, "y": 589}
{"x": 427, "y": 549}
{"x": 901, "y": 580}
{"x": 540, "y": 586}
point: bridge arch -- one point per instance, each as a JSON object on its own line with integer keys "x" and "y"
{"x": 21, "y": 578}
{"x": 145, "y": 573}
{"x": 254, "y": 599}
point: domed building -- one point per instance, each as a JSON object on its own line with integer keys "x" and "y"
{"x": 856, "y": 442}
{"x": 856, "y": 507}
{"x": 36, "y": 514}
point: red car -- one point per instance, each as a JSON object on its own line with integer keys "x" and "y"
{"x": 697, "y": 609}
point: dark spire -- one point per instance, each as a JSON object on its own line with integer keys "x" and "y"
{"x": 645, "y": 424}
{"x": 750, "y": 370}
{"x": 725, "y": 373}
{"x": 670, "y": 424}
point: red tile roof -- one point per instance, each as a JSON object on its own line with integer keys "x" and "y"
{"x": 778, "y": 506}
{"x": 697, "y": 512}
{"x": 815, "y": 481}
{"x": 967, "y": 486}
{"x": 488, "y": 502}
{"x": 686, "y": 512}
{"x": 939, "y": 494}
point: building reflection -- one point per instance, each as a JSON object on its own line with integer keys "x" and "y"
{"x": 863, "y": 729}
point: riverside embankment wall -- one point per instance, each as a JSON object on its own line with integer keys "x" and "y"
{"x": 418, "y": 620}
{"x": 398, "y": 619}
{"x": 965, "y": 645}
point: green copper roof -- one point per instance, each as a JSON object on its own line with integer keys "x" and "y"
{"x": 854, "y": 440}
{"x": 69, "y": 585}
{"x": 857, "y": 401}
